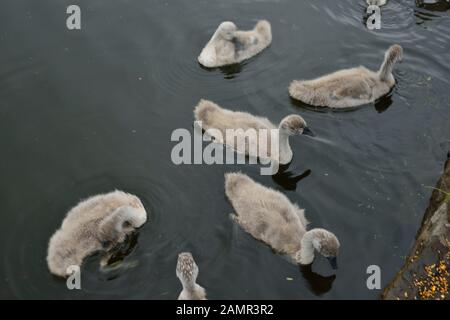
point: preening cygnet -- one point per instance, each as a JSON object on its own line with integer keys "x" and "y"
{"x": 349, "y": 87}
{"x": 216, "y": 120}
{"x": 269, "y": 216}
{"x": 95, "y": 224}
{"x": 187, "y": 272}
{"x": 229, "y": 45}
{"x": 378, "y": 3}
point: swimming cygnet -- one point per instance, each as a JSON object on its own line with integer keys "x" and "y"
{"x": 378, "y": 3}
{"x": 349, "y": 87}
{"x": 269, "y": 216}
{"x": 187, "y": 272}
{"x": 95, "y": 224}
{"x": 229, "y": 45}
{"x": 217, "y": 120}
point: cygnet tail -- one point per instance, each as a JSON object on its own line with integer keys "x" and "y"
{"x": 264, "y": 29}
{"x": 298, "y": 90}
{"x": 200, "y": 292}
{"x": 204, "y": 109}
{"x": 233, "y": 180}
{"x": 61, "y": 255}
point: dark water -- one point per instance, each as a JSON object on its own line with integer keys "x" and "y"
{"x": 85, "y": 112}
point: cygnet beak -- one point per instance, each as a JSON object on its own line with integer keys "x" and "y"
{"x": 333, "y": 262}
{"x": 308, "y": 132}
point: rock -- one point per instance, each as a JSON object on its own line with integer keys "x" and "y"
{"x": 425, "y": 274}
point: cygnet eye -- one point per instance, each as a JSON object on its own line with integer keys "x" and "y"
{"x": 127, "y": 224}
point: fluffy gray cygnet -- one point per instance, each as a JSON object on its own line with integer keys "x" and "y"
{"x": 216, "y": 121}
{"x": 349, "y": 87}
{"x": 187, "y": 272}
{"x": 270, "y": 217}
{"x": 96, "y": 224}
{"x": 229, "y": 45}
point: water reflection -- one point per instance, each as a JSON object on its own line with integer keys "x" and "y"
{"x": 430, "y": 5}
{"x": 382, "y": 104}
{"x": 300, "y": 104}
{"x": 317, "y": 283}
{"x": 425, "y": 8}
{"x": 229, "y": 72}
{"x": 117, "y": 258}
{"x": 121, "y": 251}
{"x": 288, "y": 179}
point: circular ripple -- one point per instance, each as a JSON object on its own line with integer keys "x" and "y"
{"x": 26, "y": 245}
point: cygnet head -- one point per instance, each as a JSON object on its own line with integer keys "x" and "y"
{"x": 234, "y": 181}
{"x": 226, "y": 30}
{"x": 130, "y": 218}
{"x": 394, "y": 53}
{"x": 327, "y": 244}
{"x": 324, "y": 241}
{"x": 293, "y": 124}
{"x": 187, "y": 269}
